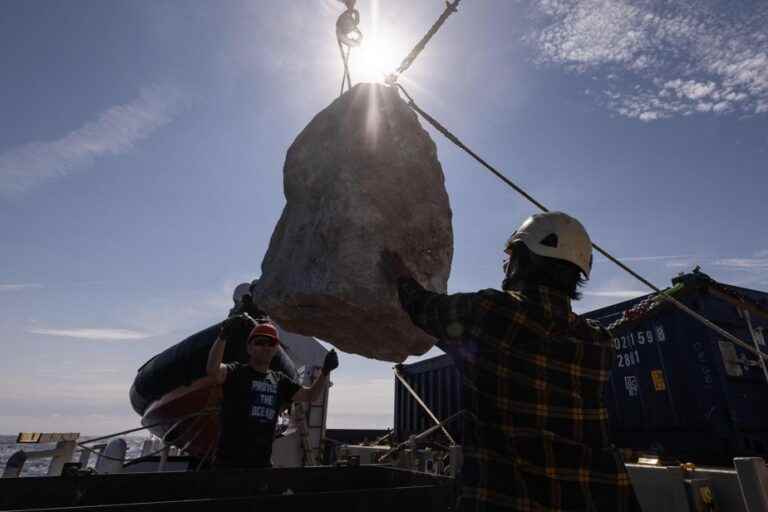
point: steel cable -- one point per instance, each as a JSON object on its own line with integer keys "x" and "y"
{"x": 423, "y": 405}
{"x": 450, "y": 8}
{"x": 450, "y": 136}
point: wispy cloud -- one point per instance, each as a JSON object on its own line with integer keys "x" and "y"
{"x": 94, "y": 334}
{"x": 611, "y": 291}
{"x": 681, "y": 264}
{"x": 645, "y": 258}
{"x": 14, "y": 287}
{"x": 618, "y": 294}
{"x": 743, "y": 263}
{"x": 185, "y": 311}
{"x": 115, "y": 132}
{"x": 659, "y": 59}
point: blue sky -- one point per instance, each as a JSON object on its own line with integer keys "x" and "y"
{"x": 142, "y": 144}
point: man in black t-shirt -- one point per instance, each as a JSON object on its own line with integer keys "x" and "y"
{"x": 254, "y": 395}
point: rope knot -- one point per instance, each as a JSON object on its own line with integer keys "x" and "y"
{"x": 347, "y": 31}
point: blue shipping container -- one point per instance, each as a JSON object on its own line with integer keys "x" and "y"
{"x": 677, "y": 387}
{"x": 438, "y": 384}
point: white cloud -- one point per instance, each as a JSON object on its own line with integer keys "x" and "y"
{"x": 743, "y": 263}
{"x": 184, "y": 312}
{"x": 690, "y": 89}
{"x": 645, "y": 258}
{"x": 675, "y": 58}
{"x": 94, "y": 334}
{"x": 115, "y": 132}
{"x": 680, "y": 264}
{"x": 12, "y": 287}
{"x": 605, "y": 293}
{"x": 618, "y": 294}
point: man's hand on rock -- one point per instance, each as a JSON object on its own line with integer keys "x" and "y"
{"x": 393, "y": 266}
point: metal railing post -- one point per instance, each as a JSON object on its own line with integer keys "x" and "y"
{"x": 61, "y": 455}
{"x": 15, "y": 464}
{"x": 753, "y": 480}
{"x": 748, "y": 318}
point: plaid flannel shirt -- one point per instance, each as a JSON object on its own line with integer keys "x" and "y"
{"x": 534, "y": 373}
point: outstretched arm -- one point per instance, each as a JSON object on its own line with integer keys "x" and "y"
{"x": 446, "y": 317}
{"x": 310, "y": 394}
{"x": 214, "y": 368}
{"x": 234, "y": 329}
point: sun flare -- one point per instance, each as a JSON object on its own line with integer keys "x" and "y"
{"x": 373, "y": 61}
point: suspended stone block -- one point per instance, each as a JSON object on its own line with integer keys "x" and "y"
{"x": 362, "y": 176}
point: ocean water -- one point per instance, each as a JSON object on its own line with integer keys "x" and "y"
{"x": 39, "y": 467}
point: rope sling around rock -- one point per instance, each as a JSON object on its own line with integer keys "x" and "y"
{"x": 348, "y": 36}
{"x": 451, "y": 7}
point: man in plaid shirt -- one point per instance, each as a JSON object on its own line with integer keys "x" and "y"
{"x": 536, "y": 428}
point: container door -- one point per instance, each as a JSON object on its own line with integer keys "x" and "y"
{"x": 643, "y": 398}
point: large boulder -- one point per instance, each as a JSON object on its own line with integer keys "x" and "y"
{"x": 362, "y": 176}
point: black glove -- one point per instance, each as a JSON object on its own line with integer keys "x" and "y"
{"x": 236, "y": 328}
{"x": 331, "y": 362}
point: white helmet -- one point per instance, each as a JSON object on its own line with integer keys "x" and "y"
{"x": 556, "y": 235}
{"x": 241, "y": 291}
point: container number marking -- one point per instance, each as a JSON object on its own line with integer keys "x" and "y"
{"x": 628, "y": 359}
{"x": 626, "y": 345}
{"x": 634, "y": 339}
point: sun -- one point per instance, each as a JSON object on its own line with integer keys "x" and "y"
{"x": 373, "y": 60}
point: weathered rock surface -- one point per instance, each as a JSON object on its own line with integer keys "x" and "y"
{"x": 361, "y": 177}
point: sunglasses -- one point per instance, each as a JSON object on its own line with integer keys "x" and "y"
{"x": 263, "y": 341}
